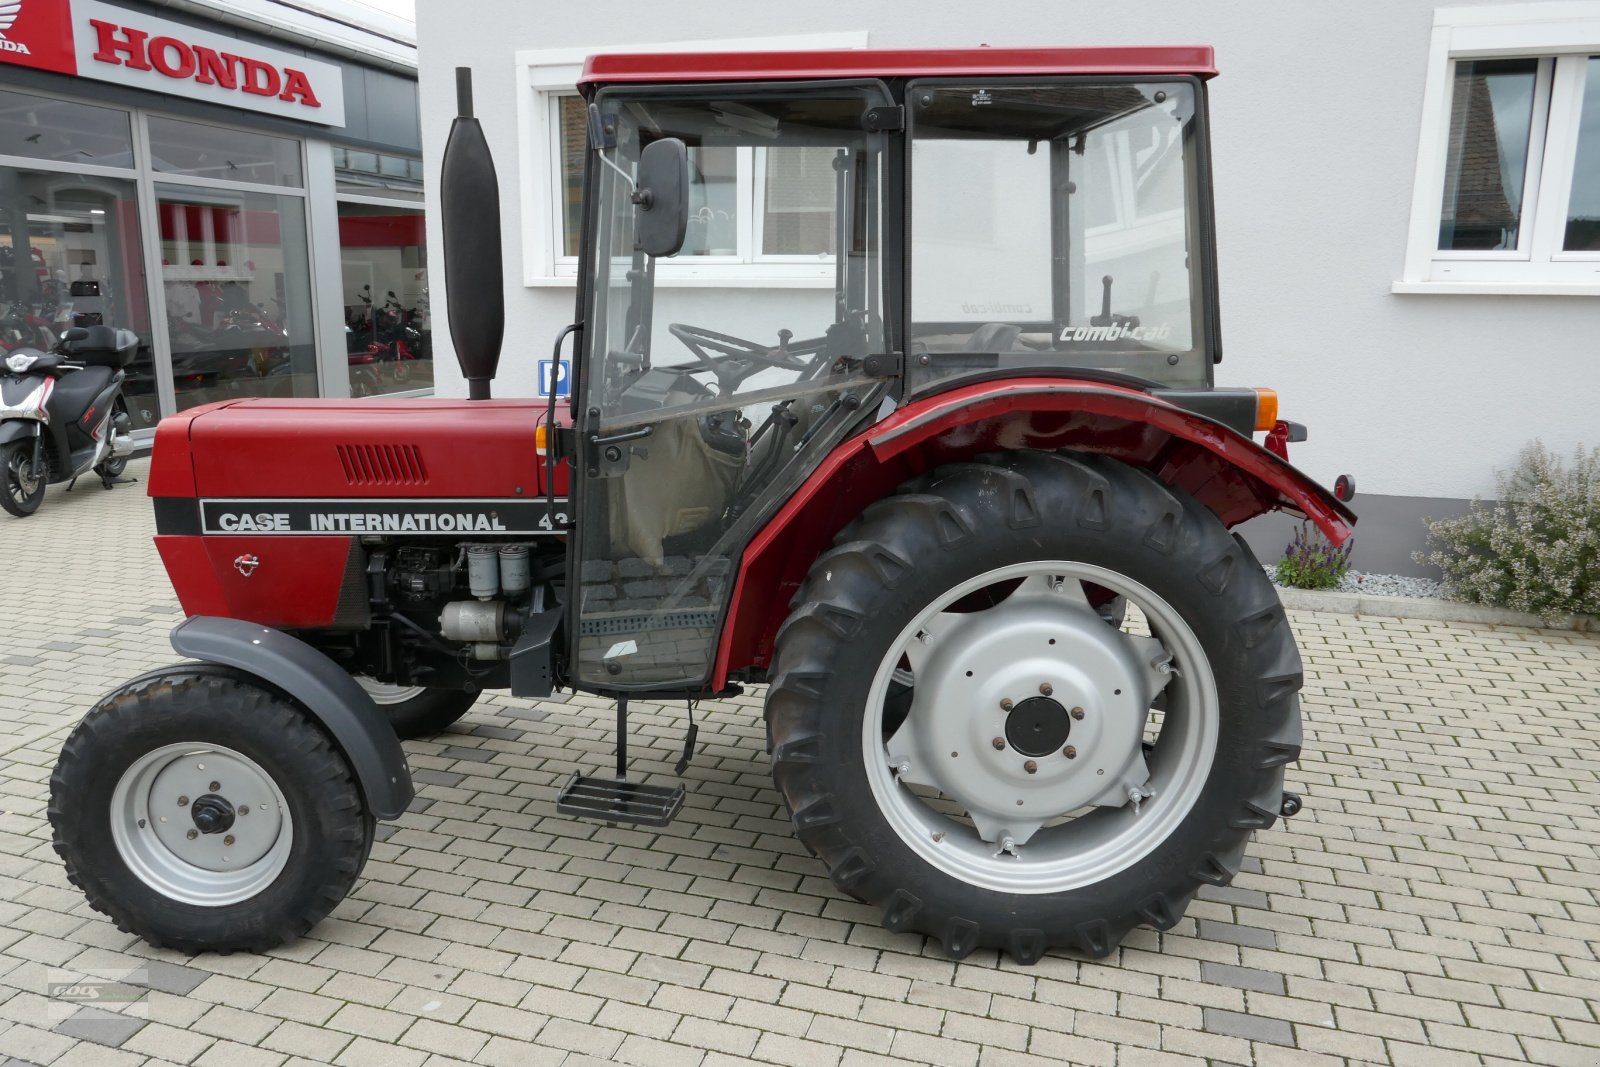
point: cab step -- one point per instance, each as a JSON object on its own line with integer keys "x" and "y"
{"x": 619, "y": 800}
{"x": 616, "y": 799}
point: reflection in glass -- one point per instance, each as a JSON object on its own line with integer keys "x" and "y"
{"x": 798, "y": 215}
{"x": 1583, "y": 211}
{"x": 69, "y": 256}
{"x": 178, "y": 147}
{"x": 574, "y": 138}
{"x": 1491, "y": 116}
{"x": 238, "y": 294}
{"x": 63, "y": 132}
{"x": 388, "y": 333}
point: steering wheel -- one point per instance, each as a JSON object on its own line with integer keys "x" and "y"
{"x": 733, "y": 359}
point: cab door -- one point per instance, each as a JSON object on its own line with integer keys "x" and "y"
{"x": 718, "y": 373}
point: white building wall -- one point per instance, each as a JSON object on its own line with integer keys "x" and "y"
{"x": 1315, "y": 122}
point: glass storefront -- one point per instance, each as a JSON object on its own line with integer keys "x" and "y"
{"x": 236, "y": 278}
{"x": 223, "y": 221}
{"x": 388, "y": 331}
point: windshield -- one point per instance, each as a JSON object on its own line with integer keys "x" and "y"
{"x": 1052, "y": 226}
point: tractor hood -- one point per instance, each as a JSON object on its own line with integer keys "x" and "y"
{"x": 368, "y": 448}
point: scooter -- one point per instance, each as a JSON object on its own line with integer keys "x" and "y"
{"x": 62, "y": 414}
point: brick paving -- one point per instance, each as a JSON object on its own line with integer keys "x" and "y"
{"x": 1435, "y": 903}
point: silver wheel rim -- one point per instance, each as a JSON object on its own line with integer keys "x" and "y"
{"x": 193, "y": 843}
{"x": 971, "y": 808}
{"x": 382, "y": 694}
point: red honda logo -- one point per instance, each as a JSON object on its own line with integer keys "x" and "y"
{"x": 127, "y": 46}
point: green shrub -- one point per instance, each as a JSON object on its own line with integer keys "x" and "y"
{"x": 1537, "y": 548}
{"x": 1311, "y": 561}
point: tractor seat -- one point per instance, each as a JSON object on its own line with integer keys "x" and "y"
{"x": 994, "y": 337}
{"x": 76, "y": 390}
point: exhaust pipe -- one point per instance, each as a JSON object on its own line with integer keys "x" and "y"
{"x": 469, "y": 200}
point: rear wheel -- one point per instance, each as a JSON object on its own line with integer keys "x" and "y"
{"x": 1057, "y": 774}
{"x": 204, "y": 813}
{"x": 23, "y": 489}
{"x": 416, "y": 711}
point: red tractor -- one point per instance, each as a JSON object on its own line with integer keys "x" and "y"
{"x": 950, "y": 479}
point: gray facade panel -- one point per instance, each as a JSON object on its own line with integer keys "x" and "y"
{"x": 1389, "y": 531}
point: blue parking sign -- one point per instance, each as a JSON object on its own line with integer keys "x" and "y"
{"x": 563, "y": 377}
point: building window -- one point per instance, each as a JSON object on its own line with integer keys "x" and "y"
{"x": 383, "y": 257}
{"x": 219, "y": 153}
{"x": 236, "y": 273}
{"x": 746, "y": 205}
{"x": 1507, "y": 195}
{"x": 63, "y": 131}
{"x": 759, "y": 214}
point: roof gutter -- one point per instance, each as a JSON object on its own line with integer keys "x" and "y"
{"x": 324, "y": 25}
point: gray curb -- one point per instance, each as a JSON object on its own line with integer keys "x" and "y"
{"x": 1426, "y": 608}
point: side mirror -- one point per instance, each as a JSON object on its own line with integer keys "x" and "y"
{"x": 662, "y": 196}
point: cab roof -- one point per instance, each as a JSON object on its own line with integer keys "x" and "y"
{"x": 1197, "y": 60}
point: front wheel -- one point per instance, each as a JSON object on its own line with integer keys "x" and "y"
{"x": 977, "y": 749}
{"x": 23, "y": 488}
{"x": 416, "y": 711}
{"x": 205, "y": 813}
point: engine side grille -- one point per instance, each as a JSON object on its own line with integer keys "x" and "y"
{"x": 382, "y": 464}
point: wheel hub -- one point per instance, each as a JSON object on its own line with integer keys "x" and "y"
{"x": 1038, "y": 726}
{"x": 212, "y": 814}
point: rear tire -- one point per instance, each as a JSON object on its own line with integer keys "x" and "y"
{"x": 21, "y": 487}
{"x": 954, "y": 527}
{"x": 415, "y": 711}
{"x": 274, "y": 848}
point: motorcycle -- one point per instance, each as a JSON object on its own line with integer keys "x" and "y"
{"x": 62, "y": 414}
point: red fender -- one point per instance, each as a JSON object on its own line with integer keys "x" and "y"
{"x": 1229, "y": 473}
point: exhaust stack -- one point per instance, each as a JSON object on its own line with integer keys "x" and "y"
{"x": 469, "y": 198}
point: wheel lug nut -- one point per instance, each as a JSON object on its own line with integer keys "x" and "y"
{"x": 1005, "y": 703}
{"x": 1031, "y": 766}
{"x": 228, "y": 840}
{"x": 244, "y": 809}
{"x": 1071, "y": 752}
{"x": 183, "y": 802}
{"x": 215, "y": 786}
{"x": 192, "y": 834}
{"x": 998, "y": 743}
{"x": 1046, "y": 689}
{"x": 1077, "y": 713}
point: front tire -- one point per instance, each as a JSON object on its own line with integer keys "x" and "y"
{"x": 415, "y": 711}
{"x": 21, "y": 487}
{"x": 203, "y": 812}
{"x": 1056, "y": 829}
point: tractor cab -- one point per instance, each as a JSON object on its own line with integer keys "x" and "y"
{"x": 906, "y": 226}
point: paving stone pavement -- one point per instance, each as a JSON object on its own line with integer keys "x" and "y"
{"x": 1435, "y": 903}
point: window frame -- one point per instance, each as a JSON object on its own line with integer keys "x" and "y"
{"x": 1562, "y": 35}
{"x": 545, "y": 75}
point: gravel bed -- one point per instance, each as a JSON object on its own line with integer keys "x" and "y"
{"x": 1382, "y": 584}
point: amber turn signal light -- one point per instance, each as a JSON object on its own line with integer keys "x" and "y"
{"x": 1266, "y": 409}
{"x": 541, "y": 439}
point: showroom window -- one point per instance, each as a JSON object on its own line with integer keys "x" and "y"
{"x": 1507, "y": 195}
{"x": 70, "y": 250}
{"x": 235, "y": 263}
{"x": 760, "y": 216}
